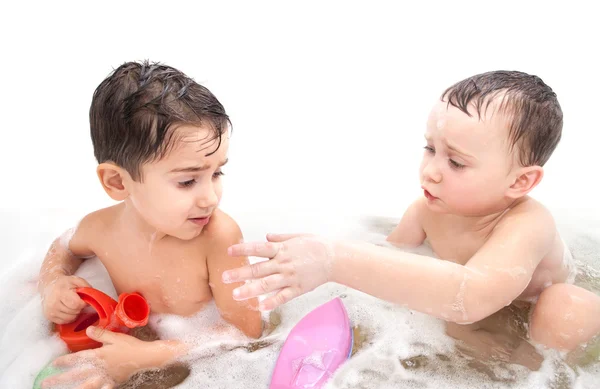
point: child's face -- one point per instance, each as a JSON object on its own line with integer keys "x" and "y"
{"x": 467, "y": 167}
{"x": 180, "y": 192}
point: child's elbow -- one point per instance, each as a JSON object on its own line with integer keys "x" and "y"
{"x": 250, "y": 324}
{"x": 255, "y": 331}
{"x": 252, "y": 327}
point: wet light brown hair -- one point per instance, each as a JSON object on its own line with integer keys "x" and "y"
{"x": 536, "y": 118}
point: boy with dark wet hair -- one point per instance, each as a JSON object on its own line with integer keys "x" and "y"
{"x": 161, "y": 141}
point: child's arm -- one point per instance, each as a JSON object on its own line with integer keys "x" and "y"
{"x": 242, "y": 314}
{"x": 60, "y": 302}
{"x": 120, "y": 357}
{"x": 495, "y": 276}
{"x": 409, "y": 232}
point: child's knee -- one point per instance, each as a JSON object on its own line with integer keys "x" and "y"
{"x": 565, "y": 316}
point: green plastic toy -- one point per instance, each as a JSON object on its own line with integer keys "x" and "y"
{"x": 46, "y": 372}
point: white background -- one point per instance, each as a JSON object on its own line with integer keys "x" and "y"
{"x": 328, "y": 99}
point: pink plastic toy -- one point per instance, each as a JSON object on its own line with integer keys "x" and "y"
{"x": 131, "y": 311}
{"x": 314, "y": 349}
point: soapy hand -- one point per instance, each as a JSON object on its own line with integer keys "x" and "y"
{"x": 298, "y": 264}
{"x": 60, "y": 301}
{"x": 102, "y": 368}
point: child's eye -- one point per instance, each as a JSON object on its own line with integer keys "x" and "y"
{"x": 187, "y": 184}
{"x": 430, "y": 149}
{"x": 218, "y": 174}
{"x": 455, "y": 164}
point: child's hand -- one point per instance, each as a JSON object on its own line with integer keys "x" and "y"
{"x": 298, "y": 264}
{"x": 103, "y": 368}
{"x": 60, "y": 301}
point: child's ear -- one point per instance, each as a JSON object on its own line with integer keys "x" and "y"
{"x": 527, "y": 178}
{"x": 111, "y": 177}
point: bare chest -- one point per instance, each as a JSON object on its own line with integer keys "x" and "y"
{"x": 453, "y": 244}
{"x": 450, "y": 242}
{"x": 172, "y": 279}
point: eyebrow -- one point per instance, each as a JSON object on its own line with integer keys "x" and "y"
{"x": 452, "y": 147}
{"x": 457, "y": 150}
{"x": 193, "y": 169}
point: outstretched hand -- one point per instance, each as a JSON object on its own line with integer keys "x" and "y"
{"x": 297, "y": 264}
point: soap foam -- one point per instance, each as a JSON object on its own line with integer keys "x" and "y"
{"x": 394, "y": 347}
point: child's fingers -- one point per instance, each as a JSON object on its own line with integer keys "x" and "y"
{"x": 259, "y": 249}
{"x": 62, "y": 318}
{"x": 258, "y": 270}
{"x": 73, "y": 375}
{"x": 80, "y": 282}
{"x": 282, "y": 297}
{"x": 260, "y": 286}
{"x": 284, "y": 237}
{"x": 73, "y": 301}
{"x": 75, "y": 358}
{"x": 103, "y": 335}
{"x": 60, "y": 314}
{"x": 93, "y": 383}
{"x": 68, "y": 306}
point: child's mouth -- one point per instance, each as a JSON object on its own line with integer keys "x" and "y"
{"x": 201, "y": 221}
{"x": 428, "y": 195}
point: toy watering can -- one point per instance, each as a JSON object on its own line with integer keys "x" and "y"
{"x": 130, "y": 311}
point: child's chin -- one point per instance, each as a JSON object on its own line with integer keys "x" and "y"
{"x": 187, "y": 235}
{"x": 436, "y": 206}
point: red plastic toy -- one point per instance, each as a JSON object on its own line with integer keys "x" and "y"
{"x": 131, "y": 311}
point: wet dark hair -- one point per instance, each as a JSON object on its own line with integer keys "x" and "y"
{"x": 135, "y": 112}
{"x": 536, "y": 118}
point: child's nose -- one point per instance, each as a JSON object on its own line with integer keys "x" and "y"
{"x": 207, "y": 198}
{"x": 431, "y": 172}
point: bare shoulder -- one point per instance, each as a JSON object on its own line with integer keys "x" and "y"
{"x": 100, "y": 220}
{"x": 410, "y": 232}
{"x": 85, "y": 236}
{"x": 531, "y": 217}
{"x": 420, "y": 205}
{"x": 418, "y": 211}
{"x": 222, "y": 230}
{"x": 529, "y": 211}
